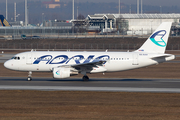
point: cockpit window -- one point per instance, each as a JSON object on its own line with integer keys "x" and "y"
{"x": 16, "y": 58}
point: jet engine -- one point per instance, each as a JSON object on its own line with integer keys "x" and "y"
{"x": 60, "y": 73}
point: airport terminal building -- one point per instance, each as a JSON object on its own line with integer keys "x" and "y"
{"x": 132, "y": 23}
{"x": 118, "y": 24}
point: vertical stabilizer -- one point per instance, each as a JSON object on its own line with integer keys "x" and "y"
{"x": 157, "y": 42}
{"x": 3, "y": 21}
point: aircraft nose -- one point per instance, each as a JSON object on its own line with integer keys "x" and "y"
{"x": 7, "y": 64}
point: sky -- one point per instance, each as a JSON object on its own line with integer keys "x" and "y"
{"x": 146, "y": 2}
{"x": 149, "y": 2}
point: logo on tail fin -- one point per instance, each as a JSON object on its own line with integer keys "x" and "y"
{"x": 3, "y": 21}
{"x": 157, "y": 38}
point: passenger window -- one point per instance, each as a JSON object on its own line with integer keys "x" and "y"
{"x": 18, "y": 58}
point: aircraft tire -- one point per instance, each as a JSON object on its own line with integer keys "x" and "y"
{"x": 85, "y": 78}
{"x": 29, "y": 78}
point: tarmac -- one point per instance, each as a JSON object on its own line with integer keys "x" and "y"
{"x": 95, "y": 84}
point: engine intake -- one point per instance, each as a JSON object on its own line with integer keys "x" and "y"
{"x": 60, "y": 73}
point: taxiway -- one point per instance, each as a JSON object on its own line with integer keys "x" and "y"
{"x": 75, "y": 84}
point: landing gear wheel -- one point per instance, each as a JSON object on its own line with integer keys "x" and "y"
{"x": 29, "y": 78}
{"x": 85, "y": 78}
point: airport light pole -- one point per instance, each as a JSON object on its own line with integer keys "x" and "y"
{"x": 73, "y": 10}
{"x": 15, "y": 12}
{"x": 17, "y": 16}
{"x": 137, "y": 6}
{"x": 72, "y": 16}
{"x": 6, "y": 10}
{"x": 42, "y": 19}
{"x": 119, "y": 6}
{"x": 130, "y": 9}
{"x": 141, "y": 6}
{"x": 160, "y": 9}
{"x": 77, "y": 12}
{"x": 26, "y": 16}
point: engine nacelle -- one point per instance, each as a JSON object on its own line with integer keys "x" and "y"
{"x": 60, "y": 73}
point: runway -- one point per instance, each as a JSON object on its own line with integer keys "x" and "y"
{"x": 107, "y": 85}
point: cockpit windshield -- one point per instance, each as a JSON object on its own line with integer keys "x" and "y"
{"x": 15, "y": 58}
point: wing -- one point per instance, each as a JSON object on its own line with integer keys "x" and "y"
{"x": 87, "y": 66}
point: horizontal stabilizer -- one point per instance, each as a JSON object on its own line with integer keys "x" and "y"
{"x": 160, "y": 56}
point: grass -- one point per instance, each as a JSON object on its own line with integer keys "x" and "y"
{"x": 88, "y": 105}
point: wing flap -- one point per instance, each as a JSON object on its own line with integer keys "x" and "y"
{"x": 90, "y": 64}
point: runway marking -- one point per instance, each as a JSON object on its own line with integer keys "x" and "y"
{"x": 109, "y": 89}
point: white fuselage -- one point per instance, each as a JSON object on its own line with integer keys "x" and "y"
{"x": 115, "y": 61}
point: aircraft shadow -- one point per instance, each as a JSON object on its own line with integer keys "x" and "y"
{"x": 76, "y": 79}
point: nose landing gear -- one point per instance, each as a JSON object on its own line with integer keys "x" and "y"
{"x": 29, "y": 76}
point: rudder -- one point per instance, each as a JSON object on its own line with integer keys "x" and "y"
{"x": 3, "y": 21}
{"x": 157, "y": 42}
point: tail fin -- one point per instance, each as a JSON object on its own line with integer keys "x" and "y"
{"x": 157, "y": 42}
{"x": 3, "y": 21}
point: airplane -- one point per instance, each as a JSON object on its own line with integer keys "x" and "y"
{"x": 4, "y": 22}
{"x": 66, "y": 64}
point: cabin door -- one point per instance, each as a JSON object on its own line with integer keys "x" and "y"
{"x": 135, "y": 59}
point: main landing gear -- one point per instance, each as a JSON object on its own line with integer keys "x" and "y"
{"x": 85, "y": 78}
{"x": 29, "y": 76}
